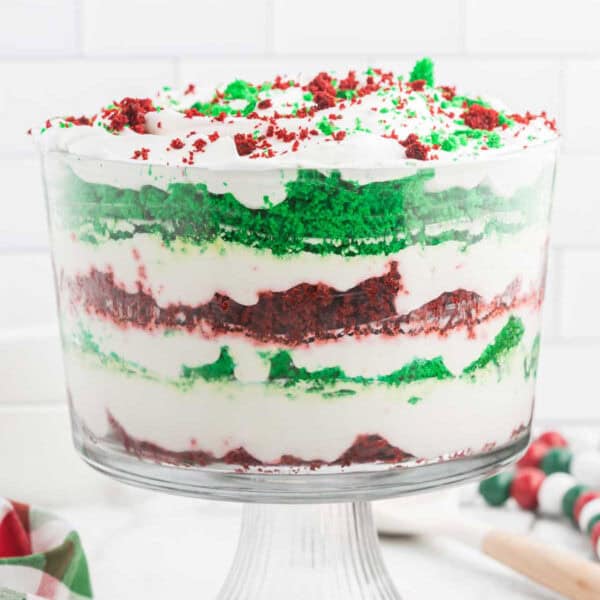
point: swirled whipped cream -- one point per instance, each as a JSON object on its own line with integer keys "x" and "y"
{"x": 371, "y": 119}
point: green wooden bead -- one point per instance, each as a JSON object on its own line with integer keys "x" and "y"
{"x": 557, "y": 460}
{"x": 496, "y": 489}
{"x": 570, "y": 498}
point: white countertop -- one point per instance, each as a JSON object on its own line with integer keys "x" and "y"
{"x": 144, "y": 545}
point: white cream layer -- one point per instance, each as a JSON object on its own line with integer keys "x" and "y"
{"x": 164, "y": 355}
{"x": 453, "y": 415}
{"x": 504, "y": 174}
{"x": 191, "y": 275}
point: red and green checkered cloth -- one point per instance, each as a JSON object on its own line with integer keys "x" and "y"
{"x": 40, "y": 556}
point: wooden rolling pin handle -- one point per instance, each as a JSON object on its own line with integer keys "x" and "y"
{"x": 559, "y": 570}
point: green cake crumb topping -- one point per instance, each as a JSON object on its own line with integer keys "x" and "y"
{"x": 423, "y": 69}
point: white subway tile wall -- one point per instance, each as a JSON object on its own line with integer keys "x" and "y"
{"x": 68, "y": 55}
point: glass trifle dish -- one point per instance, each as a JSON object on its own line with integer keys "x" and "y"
{"x": 304, "y": 289}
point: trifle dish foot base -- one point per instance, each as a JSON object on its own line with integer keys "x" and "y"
{"x": 317, "y": 551}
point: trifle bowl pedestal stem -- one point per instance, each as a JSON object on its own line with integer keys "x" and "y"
{"x": 316, "y": 551}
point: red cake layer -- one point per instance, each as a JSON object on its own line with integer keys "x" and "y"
{"x": 367, "y": 448}
{"x": 304, "y": 313}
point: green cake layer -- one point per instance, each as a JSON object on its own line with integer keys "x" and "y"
{"x": 284, "y": 373}
{"x": 321, "y": 214}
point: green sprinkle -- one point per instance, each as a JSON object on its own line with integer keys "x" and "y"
{"x": 414, "y": 400}
{"x": 308, "y": 97}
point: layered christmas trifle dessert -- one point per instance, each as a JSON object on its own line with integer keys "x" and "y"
{"x": 331, "y": 271}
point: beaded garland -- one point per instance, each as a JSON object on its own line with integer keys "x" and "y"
{"x": 553, "y": 480}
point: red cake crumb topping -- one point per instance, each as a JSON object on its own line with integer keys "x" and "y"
{"x": 480, "y": 117}
{"x": 263, "y": 104}
{"x": 417, "y": 150}
{"x": 141, "y": 153}
{"x": 448, "y": 92}
{"x": 349, "y": 83}
{"x": 82, "y": 120}
{"x": 396, "y": 103}
{"x": 199, "y": 145}
{"x": 323, "y": 91}
{"x": 244, "y": 143}
{"x": 417, "y": 85}
{"x": 129, "y": 112}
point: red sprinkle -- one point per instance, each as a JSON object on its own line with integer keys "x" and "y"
{"x": 177, "y": 144}
{"x": 339, "y": 135}
{"x": 480, "y": 117}
{"x": 214, "y": 136}
{"x": 190, "y": 89}
{"x": 245, "y": 143}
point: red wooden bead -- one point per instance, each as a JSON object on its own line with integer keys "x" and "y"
{"x": 552, "y": 439}
{"x": 595, "y": 535}
{"x": 582, "y": 501}
{"x": 525, "y": 487}
{"x": 534, "y": 454}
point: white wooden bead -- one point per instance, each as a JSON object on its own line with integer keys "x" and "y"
{"x": 590, "y": 510}
{"x": 585, "y": 467}
{"x": 551, "y": 492}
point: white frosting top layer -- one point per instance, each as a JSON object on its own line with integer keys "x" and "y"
{"x": 323, "y": 121}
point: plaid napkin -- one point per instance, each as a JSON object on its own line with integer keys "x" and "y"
{"x": 40, "y": 556}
